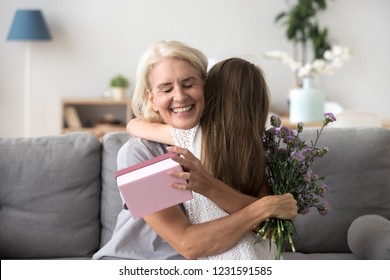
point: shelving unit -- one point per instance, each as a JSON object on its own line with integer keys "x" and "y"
{"x": 98, "y": 116}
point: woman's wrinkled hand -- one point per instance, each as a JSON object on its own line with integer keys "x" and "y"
{"x": 197, "y": 177}
{"x": 282, "y": 206}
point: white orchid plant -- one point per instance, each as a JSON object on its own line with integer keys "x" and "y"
{"x": 333, "y": 59}
{"x": 302, "y": 28}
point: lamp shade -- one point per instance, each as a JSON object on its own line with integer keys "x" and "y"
{"x": 28, "y": 25}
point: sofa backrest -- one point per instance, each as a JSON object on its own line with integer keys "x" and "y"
{"x": 357, "y": 170}
{"x": 49, "y": 196}
{"x": 111, "y": 202}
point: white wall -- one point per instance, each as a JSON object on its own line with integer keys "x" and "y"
{"x": 96, "y": 39}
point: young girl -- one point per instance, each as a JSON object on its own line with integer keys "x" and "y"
{"x": 227, "y": 140}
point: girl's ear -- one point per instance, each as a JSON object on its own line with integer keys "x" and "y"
{"x": 151, "y": 100}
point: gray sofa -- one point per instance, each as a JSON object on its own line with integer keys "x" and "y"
{"x": 59, "y": 199}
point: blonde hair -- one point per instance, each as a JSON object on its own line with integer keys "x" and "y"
{"x": 154, "y": 54}
{"x": 233, "y": 122}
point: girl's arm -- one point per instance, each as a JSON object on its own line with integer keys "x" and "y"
{"x": 216, "y": 236}
{"x": 157, "y": 132}
{"x": 201, "y": 181}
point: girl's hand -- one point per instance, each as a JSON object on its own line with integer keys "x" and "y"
{"x": 197, "y": 177}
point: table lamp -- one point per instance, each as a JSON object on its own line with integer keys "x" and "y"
{"x": 28, "y": 25}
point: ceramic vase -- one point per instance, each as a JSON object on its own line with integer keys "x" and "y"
{"x": 306, "y": 103}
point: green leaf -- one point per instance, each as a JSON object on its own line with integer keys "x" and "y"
{"x": 280, "y": 16}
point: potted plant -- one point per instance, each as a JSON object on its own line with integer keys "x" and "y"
{"x": 119, "y": 85}
{"x": 309, "y": 40}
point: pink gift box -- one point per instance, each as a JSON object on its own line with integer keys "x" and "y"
{"x": 144, "y": 186}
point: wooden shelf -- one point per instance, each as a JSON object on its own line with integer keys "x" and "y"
{"x": 99, "y": 131}
{"x": 98, "y": 116}
{"x": 386, "y": 123}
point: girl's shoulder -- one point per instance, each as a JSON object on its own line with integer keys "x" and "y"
{"x": 188, "y": 138}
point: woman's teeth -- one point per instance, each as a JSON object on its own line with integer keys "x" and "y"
{"x": 182, "y": 109}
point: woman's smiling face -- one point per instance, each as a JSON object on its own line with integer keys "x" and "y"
{"x": 177, "y": 92}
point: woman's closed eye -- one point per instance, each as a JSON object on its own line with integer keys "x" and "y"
{"x": 189, "y": 82}
{"x": 169, "y": 90}
{"x": 165, "y": 89}
{"x": 188, "y": 85}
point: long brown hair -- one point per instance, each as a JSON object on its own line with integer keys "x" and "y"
{"x": 236, "y": 108}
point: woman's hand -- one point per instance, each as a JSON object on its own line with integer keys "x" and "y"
{"x": 201, "y": 181}
{"x": 197, "y": 177}
{"x": 281, "y": 206}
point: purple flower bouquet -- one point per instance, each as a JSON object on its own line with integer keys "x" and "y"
{"x": 288, "y": 169}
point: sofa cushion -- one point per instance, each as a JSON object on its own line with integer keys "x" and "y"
{"x": 357, "y": 170}
{"x": 49, "y": 196}
{"x": 369, "y": 237}
{"x": 111, "y": 203}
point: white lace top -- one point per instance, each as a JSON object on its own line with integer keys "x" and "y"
{"x": 201, "y": 209}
